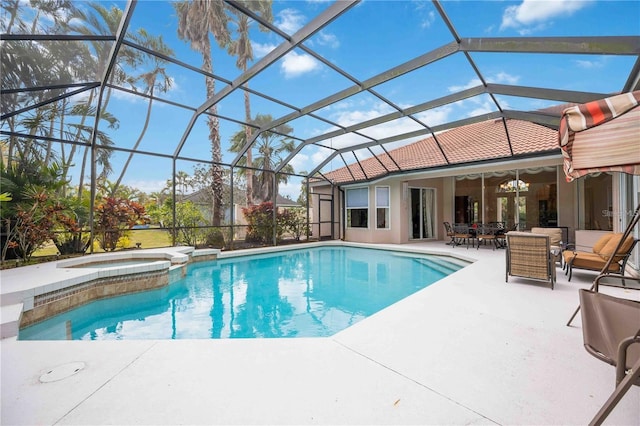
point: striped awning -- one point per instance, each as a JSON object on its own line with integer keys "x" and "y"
{"x": 601, "y": 136}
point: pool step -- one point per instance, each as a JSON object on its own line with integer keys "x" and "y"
{"x": 10, "y": 320}
{"x": 439, "y": 265}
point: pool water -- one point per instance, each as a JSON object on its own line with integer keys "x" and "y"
{"x": 296, "y": 293}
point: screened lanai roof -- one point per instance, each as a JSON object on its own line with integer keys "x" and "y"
{"x": 344, "y": 82}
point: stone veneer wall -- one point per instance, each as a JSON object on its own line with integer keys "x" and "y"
{"x": 59, "y": 301}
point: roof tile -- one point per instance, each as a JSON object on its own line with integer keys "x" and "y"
{"x": 479, "y": 141}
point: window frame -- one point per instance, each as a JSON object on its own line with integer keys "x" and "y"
{"x": 387, "y": 207}
{"x": 349, "y": 209}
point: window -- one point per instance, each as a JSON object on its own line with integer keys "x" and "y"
{"x": 358, "y": 208}
{"x": 382, "y": 207}
{"x": 595, "y": 195}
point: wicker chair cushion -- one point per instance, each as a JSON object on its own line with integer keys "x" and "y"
{"x": 555, "y": 234}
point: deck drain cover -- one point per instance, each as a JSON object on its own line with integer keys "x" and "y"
{"x": 62, "y": 372}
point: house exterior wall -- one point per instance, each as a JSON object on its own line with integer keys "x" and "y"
{"x": 398, "y": 229}
{"x": 444, "y": 183}
{"x": 321, "y": 211}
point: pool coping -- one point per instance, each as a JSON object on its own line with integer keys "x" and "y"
{"x": 19, "y": 302}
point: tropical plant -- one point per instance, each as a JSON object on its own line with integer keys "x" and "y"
{"x": 196, "y": 19}
{"x": 22, "y": 179}
{"x": 260, "y": 223}
{"x": 29, "y": 64}
{"x": 188, "y": 223}
{"x": 114, "y": 217}
{"x": 270, "y": 145}
{"x": 34, "y": 223}
{"x": 294, "y": 222}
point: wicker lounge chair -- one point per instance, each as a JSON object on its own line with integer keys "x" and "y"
{"x": 611, "y": 333}
{"x": 602, "y": 250}
{"x": 529, "y": 256}
{"x": 555, "y": 239}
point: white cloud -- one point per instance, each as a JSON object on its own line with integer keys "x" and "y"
{"x": 290, "y": 21}
{"x": 319, "y": 157}
{"x": 295, "y": 64}
{"x": 349, "y": 112}
{"x": 147, "y": 186}
{"x": 348, "y": 118}
{"x": 300, "y": 162}
{"x": 427, "y": 17}
{"x": 436, "y": 116}
{"x": 472, "y": 83}
{"x": 327, "y": 39}
{"x": 589, "y": 64}
{"x": 535, "y": 14}
{"x": 395, "y": 127}
{"x": 501, "y": 77}
{"x": 128, "y": 97}
{"x": 429, "y": 20}
{"x": 483, "y": 108}
{"x": 291, "y": 189}
{"x": 260, "y": 50}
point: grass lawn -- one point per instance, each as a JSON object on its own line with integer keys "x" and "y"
{"x": 148, "y": 238}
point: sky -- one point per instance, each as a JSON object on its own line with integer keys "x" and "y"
{"x": 368, "y": 39}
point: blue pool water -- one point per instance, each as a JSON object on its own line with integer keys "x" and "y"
{"x": 297, "y": 293}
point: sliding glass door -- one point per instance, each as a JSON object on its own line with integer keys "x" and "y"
{"x": 422, "y": 213}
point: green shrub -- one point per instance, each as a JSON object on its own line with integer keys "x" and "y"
{"x": 114, "y": 216}
{"x": 260, "y": 224}
{"x": 294, "y": 222}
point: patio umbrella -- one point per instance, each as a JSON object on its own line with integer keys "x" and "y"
{"x": 601, "y": 136}
{"x": 595, "y": 137}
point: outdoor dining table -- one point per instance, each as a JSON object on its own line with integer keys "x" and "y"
{"x": 479, "y": 232}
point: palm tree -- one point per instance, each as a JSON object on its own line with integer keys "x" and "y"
{"x": 28, "y": 64}
{"x": 12, "y": 10}
{"x": 196, "y": 19}
{"x": 157, "y": 78}
{"x": 103, "y": 21}
{"x": 183, "y": 181}
{"x": 270, "y": 146}
{"x": 241, "y": 48}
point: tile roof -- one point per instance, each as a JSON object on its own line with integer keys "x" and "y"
{"x": 474, "y": 142}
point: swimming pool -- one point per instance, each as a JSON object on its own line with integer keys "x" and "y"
{"x": 311, "y": 292}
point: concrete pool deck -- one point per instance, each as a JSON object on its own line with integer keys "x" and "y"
{"x": 469, "y": 349}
